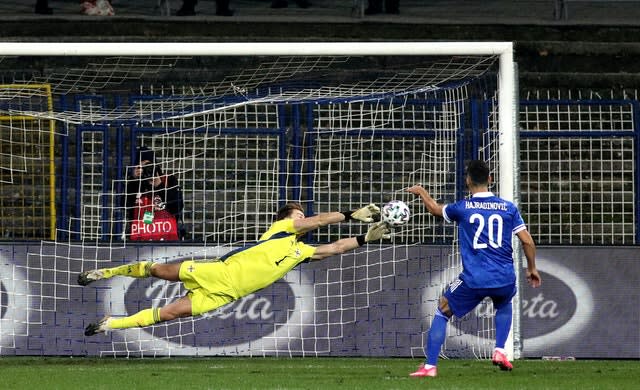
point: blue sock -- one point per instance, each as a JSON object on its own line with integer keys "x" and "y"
{"x": 435, "y": 338}
{"x": 503, "y": 324}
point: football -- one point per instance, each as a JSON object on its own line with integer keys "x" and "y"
{"x": 395, "y": 213}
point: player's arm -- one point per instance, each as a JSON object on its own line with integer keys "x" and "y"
{"x": 376, "y": 232}
{"x": 364, "y": 214}
{"x": 529, "y": 248}
{"x": 432, "y": 206}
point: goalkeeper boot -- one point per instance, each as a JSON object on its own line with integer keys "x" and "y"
{"x": 423, "y": 372}
{"x": 500, "y": 359}
{"x": 99, "y": 327}
{"x": 87, "y": 277}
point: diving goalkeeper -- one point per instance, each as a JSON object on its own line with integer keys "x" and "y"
{"x": 240, "y": 272}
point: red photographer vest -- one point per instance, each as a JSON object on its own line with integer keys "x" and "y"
{"x": 163, "y": 227}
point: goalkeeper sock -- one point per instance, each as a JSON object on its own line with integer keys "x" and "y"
{"x": 135, "y": 270}
{"x": 142, "y": 318}
{"x": 436, "y": 336}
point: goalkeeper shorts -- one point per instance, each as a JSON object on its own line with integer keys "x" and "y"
{"x": 208, "y": 284}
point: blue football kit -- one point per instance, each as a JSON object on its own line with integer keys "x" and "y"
{"x": 486, "y": 225}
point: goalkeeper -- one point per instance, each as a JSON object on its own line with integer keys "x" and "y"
{"x": 240, "y": 272}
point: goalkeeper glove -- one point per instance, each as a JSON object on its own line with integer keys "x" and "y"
{"x": 364, "y": 214}
{"x": 378, "y": 231}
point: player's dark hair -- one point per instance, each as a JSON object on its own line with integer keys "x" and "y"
{"x": 478, "y": 171}
{"x": 286, "y": 210}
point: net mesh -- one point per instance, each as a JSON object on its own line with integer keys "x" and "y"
{"x": 333, "y": 133}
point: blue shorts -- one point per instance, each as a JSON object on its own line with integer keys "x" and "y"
{"x": 463, "y": 299}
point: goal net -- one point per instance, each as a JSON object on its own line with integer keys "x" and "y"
{"x": 245, "y": 128}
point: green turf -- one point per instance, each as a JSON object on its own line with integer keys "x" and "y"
{"x": 308, "y": 373}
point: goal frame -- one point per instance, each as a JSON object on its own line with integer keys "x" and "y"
{"x": 507, "y": 91}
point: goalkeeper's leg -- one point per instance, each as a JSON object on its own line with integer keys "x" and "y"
{"x": 143, "y": 269}
{"x": 146, "y": 317}
{"x": 135, "y": 270}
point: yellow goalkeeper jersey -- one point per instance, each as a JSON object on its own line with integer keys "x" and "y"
{"x": 259, "y": 265}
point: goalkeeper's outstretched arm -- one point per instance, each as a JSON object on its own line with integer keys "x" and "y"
{"x": 364, "y": 214}
{"x": 376, "y": 232}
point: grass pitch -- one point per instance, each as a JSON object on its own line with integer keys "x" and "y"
{"x": 308, "y": 373}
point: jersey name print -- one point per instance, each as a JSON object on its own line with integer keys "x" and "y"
{"x": 485, "y": 205}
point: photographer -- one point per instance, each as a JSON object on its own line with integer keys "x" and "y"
{"x": 153, "y": 201}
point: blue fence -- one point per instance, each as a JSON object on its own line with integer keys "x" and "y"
{"x": 579, "y": 167}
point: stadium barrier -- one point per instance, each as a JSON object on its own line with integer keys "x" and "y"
{"x": 584, "y": 287}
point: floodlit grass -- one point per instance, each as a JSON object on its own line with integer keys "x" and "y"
{"x": 308, "y": 373}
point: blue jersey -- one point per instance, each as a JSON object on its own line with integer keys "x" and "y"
{"x": 486, "y": 225}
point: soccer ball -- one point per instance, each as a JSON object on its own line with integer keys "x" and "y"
{"x": 395, "y": 213}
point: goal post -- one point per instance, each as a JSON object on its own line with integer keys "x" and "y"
{"x": 332, "y": 125}
{"x": 509, "y": 174}
{"x": 502, "y": 49}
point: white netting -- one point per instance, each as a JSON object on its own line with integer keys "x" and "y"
{"x": 333, "y": 133}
